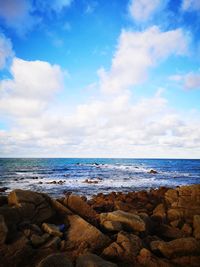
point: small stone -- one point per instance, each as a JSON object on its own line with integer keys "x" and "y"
{"x": 187, "y": 229}
{"x": 37, "y": 240}
{"x": 54, "y": 243}
{"x": 52, "y": 229}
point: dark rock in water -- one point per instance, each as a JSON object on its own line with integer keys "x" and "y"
{"x": 90, "y": 181}
{"x": 153, "y": 172}
{"x": 3, "y": 189}
{"x": 55, "y": 260}
{"x": 93, "y": 260}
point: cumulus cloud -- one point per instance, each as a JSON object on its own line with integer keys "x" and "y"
{"x": 136, "y": 53}
{"x": 142, "y": 10}
{"x": 33, "y": 85}
{"x": 6, "y": 51}
{"x": 191, "y": 5}
{"x": 22, "y": 16}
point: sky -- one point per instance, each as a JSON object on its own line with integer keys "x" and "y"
{"x": 96, "y": 78}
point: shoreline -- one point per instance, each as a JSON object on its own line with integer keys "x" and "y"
{"x": 158, "y": 227}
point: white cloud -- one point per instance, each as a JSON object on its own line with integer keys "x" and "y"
{"x": 142, "y": 10}
{"x": 136, "y": 53}
{"x": 21, "y": 15}
{"x": 189, "y": 81}
{"x": 192, "y": 81}
{"x": 33, "y": 85}
{"x": 191, "y": 5}
{"x": 6, "y": 51}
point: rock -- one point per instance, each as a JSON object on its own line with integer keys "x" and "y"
{"x": 187, "y": 229}
{"x": 92, "y": 260}
{"x": 146, "y": 258}
{"x": 83, "y": 235}
{"x": 3, "y": 230}
{"x": 125, "y": 249}
{"x": 80, "y": 207}
{"x": 183, "y": 203}
{"x": 160, "y": 212}
{"x": 16, "y": 254}
{"x": 196, "y": 226}
{"x": 55, "y": 260}
{"x": 35, "y": 207}
{"x": 192, "y": 261}
{"x": 130, "y": 220}
{"x": 167, "y": 232}
{"x": 37, "y": 240}
{"x": 112, "y": 226}
{"x": 153, "y": 172}
{"x": 178, "y": 247}
{"x": 3, "y": 200}
{"x": 90, "y": 181}
{"x": 60, "y": 208}
{"x": 53, "y": 243}
{"x": 52, "y": 229}
{"x": 3, "y": 189}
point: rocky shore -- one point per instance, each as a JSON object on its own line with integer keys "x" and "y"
{"x": 160, "y": 227}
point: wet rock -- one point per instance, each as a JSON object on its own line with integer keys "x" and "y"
{"x": 52, "y": 229}
{"x": 80, "y": 207}
{"x": 90, "y": 181}
{"x": 84, "y": 236}
{"x": 130, "y": 220}
{"x": 153, "y": 172}
{"x": 92, "y": 260}
{"x": 33, "y": 206}
{"x": 55, "y": 260}
{"x": 178, "y": 247}
{"x": 196, "y": 226}
{"x": 125, "y": 249}
{"x": 112, "y": 226}
{"x": 3, "y": 230}
{"x": 3, "y": 189}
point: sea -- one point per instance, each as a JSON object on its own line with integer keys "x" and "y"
{"x": 90, "y": 176}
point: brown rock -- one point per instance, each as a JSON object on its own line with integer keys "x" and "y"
{"x": 37, "y": 240}
{"x": 196, "y": 226}
{"x": 125, "y": 249}
{"x": 146, "y": 258}
{"x": 159, "y": 211}
{"x": 169, "y": 233}
{"x": 130, "y": 220}
{"x": 153, "y": 172}
{"x": 16, "y": 254}
{"x": 53, "y": 243}
{"x": 3, "y": 230}
{"x": 192, "y": 261}
{"x": 112, "y": 226}
{"x": 92, "y": 260}
{"x": 83, "y": 235}
{"x": 55, "y": 260}
{"x": 187, "y": 229}
{"x": 52, "y": 229}
{"x": 178, "y": 247}
{"x": 80, "y": 207}
{"x": 35, "y": 207}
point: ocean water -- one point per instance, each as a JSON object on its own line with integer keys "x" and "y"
{"x": 122, "y": 175}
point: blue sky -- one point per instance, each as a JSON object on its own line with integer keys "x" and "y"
{"x": 95, "y": 78}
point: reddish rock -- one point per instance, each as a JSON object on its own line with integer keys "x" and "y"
{"x": 196, "y": 226}
{"x": 192, "y": 261}
{"x": 92, "y": 260}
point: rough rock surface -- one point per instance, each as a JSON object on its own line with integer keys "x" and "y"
{"x": 196, "y": 225}
{"x": 128, "y": 219}
{"x": 92, "y": 260}
{"x": 33, "y": 206}
{"x": 55, "y": 260}
{"x": 3, "y": 230}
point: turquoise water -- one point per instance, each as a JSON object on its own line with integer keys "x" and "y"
{"x": 110, "y": 174}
